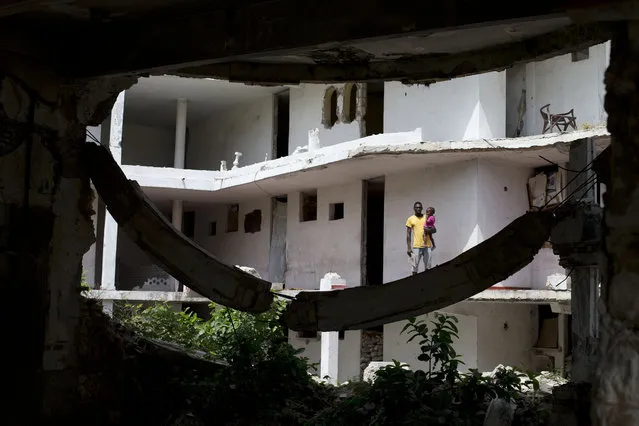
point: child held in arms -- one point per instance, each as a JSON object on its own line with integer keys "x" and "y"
{"x": 429, "y": 227}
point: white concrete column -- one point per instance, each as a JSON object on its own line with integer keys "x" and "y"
{"x": 115, "y": 123}
{"x": 110, "y": 245}
{"x": 178, "y": 163}
{"x": 329, "y": 355}
{"x": 180, "y": 134}
{"x": 90, "y": 258}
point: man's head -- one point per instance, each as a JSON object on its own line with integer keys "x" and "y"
{"x": 430, "y": 211}
{"x": 418, "y": 208}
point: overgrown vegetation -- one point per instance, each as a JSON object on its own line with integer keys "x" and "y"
{"x": 267, "y": 383}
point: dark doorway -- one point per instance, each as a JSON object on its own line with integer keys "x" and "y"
{"x": 374, "y": 117}
{"x": 277, "y": 253}
{"x": 188, "y": 224}
{"x": 373, "y": 232}
{"x": 282, "y": 124}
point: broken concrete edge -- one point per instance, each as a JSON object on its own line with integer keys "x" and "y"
{"x": 468, "y": 274}
{"x": 524, "y": 296}
{"x": 156, "y": 236}
{"x": 155, "y": 296}
{"x": 492, "y": 295}
{"x": 410, "y": 143}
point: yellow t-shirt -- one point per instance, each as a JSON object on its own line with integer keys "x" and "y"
{"x": 417, "y": 225}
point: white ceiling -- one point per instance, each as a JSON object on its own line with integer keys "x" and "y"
{"x": 152, "y": 101}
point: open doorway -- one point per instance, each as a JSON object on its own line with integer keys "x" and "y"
{"x": 373, "y": 232}
{"x": 282, "y": 119}
{"x": 374, "y": 117}
{"x": 277, "y": 253}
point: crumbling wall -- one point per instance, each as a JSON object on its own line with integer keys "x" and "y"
{"x": 46, "y": 220}
{"x": 307, "y": 113}
{"x": 372, "y": 348}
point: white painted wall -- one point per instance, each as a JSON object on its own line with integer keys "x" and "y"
{"x": 489, "y": 334}
{"x": 236, "y": 248}
{"x": 502, "y": 198}
{"x": 147, "y": 146}
{"x": 506, "y": 333}
{"x": 397, "y": 348}
{"x": 464, "y": 108}
{"x": 471, "y": 206}
{"x": 317, "y": 247}
{"x": 349, "y": 353}
{"x": 561, "y": 83}
{"x": 544, "y": 264}
{"x": 452, "y": 191}
{"x": 247, "y": 129}
{"x": 133, "y": 266}
{"x": 306, "y": 103}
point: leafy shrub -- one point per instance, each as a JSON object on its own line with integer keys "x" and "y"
{"x": 267, "y": 383}
{"x": 438, "y": 395}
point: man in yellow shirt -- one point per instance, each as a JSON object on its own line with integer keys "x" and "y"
{"x": 422, "y": 245}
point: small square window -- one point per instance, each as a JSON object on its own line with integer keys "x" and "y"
{"x": 308, "y": 206}
{"x": 336, "y": 211}
{"x": 232, "y": 218}
{"x": 212, "y": 229}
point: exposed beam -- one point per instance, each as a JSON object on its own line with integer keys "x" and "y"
{"x": 414, "y": 69}
{"x": 173, "y": 39}
{"x": 175, "y": 253}
{"x": 471, "y": 272}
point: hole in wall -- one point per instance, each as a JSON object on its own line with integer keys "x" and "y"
{"x": 253, "y": 222}
{"x": 232, "y": 217}
{"x": 212, "y": 229}
{"x": 336, "y": 211}
{"x": 505, "y": 188}
{"x": 308, "y": 206}
{"x": 329, "y": 111}
{"x": 350, "y": 102}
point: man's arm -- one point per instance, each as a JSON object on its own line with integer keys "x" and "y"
{"x": 430, "y": 230}
{"x": 408, "y": 248}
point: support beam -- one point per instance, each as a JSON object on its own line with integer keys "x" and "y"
{"x": 584, "y": 277}
{"x": 176, "y": 254}
{"x": 209, "y": 33}
{"x": 110, "y": 235}
{"x": 615, "y": 387}
{"x": 179, "y": 155}
{"x": 425, "y": 69}
{"x": 471, "y": 272}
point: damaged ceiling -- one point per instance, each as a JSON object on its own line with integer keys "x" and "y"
{"x": 288, "y": 41}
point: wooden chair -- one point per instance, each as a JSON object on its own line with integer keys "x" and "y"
{"x": 566, "y": 119}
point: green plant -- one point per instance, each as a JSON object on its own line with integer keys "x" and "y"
{"x": 437, "y": 347}
{"x": 267, "y": 382}
{"x": 439, "y": 395}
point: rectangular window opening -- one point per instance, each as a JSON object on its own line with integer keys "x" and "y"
{"x": 336, "y": 211}
{"x": 212, "y": 229}
{"x": 232, "y": 217}
{"x": 308, "y": 206}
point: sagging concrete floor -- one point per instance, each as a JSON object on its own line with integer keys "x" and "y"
{"x": 65, "y": 62}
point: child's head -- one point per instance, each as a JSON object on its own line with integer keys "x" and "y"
{"x": 430, "y": 211}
